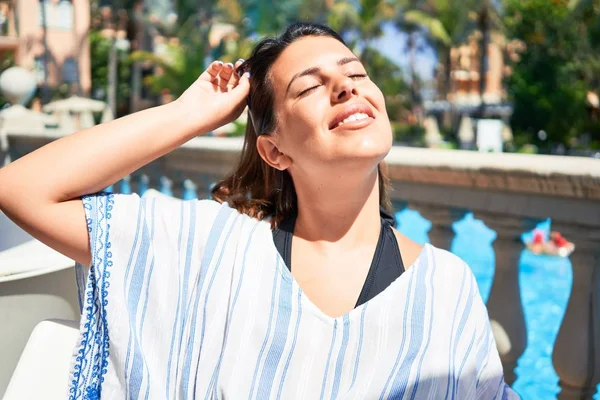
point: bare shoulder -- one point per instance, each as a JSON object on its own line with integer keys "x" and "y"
{"x": 409, "y": 249}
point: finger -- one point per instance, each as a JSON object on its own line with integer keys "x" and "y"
{"x": 225, "y": 75}
{"x": 235, "y": 77}
{"x": 213, "y": 70}
{"x": 240, "y": 92}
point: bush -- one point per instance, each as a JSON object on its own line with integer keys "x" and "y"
{"x": 409, "y": 134}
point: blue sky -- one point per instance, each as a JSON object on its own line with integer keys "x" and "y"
{"x": 393, "y": 45}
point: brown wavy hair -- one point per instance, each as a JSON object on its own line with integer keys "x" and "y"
{"x": 255, "y": 188}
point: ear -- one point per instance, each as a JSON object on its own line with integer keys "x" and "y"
{"x": 270, "y": 153}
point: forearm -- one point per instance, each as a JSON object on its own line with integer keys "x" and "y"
{"x": 90, "y": 160}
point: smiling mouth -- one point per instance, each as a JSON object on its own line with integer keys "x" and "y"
{"x": 356, "y": 120}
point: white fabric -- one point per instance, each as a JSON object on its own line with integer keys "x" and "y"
{"x": 190, "y": 299}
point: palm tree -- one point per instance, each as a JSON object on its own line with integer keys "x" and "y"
{"x": 362, "y": 21}
{"x": 448, "y": 24}
{"x": 185, "y": 59}
{"x": 179, "y": 66}
{"x": 419, "y": 26}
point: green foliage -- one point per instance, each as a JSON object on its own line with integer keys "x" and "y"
{"x": 389, "y": 78}
{"x": 180, "y": 66}
{"x": 546, "y": 85}
{"x": 99, "y": 51}
{"x": 6, "y": 62}
{"x": 409, "y": 134}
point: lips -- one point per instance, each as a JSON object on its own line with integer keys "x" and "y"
{"x": 348, "y": 110}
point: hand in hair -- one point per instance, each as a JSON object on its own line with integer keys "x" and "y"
{"x": 51, "y": 179}
{"x": 218, "y": 96}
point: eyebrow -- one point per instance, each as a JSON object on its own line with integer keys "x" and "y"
{"x": 315, "y": 70}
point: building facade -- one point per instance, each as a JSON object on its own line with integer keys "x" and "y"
{"x": 49, "y": 37}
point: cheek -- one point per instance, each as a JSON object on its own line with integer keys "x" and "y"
{"x": 304, "y": 123}
{"x": 377, "y": 98}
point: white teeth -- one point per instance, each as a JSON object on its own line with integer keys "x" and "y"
{"x": 353, "y": 117}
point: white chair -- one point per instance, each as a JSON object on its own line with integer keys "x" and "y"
{"x": 43, "y": 368}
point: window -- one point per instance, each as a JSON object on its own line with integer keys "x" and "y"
{"x": 64, "y": 14}
{"x": 57, "y": 15}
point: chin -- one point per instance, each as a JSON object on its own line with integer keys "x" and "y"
{"x": 370, "y": 145}
{"x": 367, "y": 149}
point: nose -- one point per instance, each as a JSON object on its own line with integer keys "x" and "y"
{"x": 344, "y": 89}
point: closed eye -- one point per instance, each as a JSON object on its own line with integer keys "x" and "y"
{"x": 310, "y": 89}
{"x": 306, "y": 91}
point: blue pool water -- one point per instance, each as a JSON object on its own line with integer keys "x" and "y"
{"x": 545, "y": 286}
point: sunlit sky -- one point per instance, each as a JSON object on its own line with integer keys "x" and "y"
{"x": 393, "y": 45}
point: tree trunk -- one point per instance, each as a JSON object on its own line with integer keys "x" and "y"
{"x": 45, "y": 93}
{"x": 112, "y": 76}
{"x": 414, "y": 81}
{"x": 447, "y": 64}
{"x": 484, "y": 28}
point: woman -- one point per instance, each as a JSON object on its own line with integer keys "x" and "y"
{"x": 291, "y": 284}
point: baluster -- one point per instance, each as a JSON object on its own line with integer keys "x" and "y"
{"x": 397, "y": 206}
{"x": 166, "y": 186}
{"x": 125, "y": 186}
{"x": 442, "y": 218}
{"x": 189, "y": 190}
{"x": 504, "y": 305}
{"x": 576, "y": 356}
{"x": 144, "y": 184}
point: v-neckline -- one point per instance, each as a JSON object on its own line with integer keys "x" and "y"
{"x": 284, "y": 246}
{"x": 287, "y": 275}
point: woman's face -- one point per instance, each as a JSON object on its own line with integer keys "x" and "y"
{"x": 329, "y": 113}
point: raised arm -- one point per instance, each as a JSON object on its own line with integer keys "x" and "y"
{"x": 40, "y": 191}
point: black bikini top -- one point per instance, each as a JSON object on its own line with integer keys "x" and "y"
{"x": 386, "y": 265}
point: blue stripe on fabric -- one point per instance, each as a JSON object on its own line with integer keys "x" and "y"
{"x": 215, "y": 375}
{"x": 479, "y": 357}
{"x": 416, "y": 385}
{"x": 291, "y": 352}
{"x": 406, "y": 307}
{"x": 341, "y": 354}
{"x": 208, "y": 289}
{"x": 499, "y": 387}
{"x": 461, "y": 326}
{"x": 280, "y": 336}
{"x": 505, "y": 390}
{"x": 324, "y": 384}
{"x": 138, "y": 282}
{"x": 209, "y": 250}
{"x": 452, "y": 333}
{"x": 141, "y": 259}
{"x": 264, "y": 345}
{"x": 186, "y": 278}
{"x": 360, "y": 341}
{"x": 486, "y": 356}
{"x": 212, "y": 279}
{"x": 102, "y": 220}
{"x": 181, "y": 280}
{"x": 149, "y": 280}
{"x": 417, "y": 327}
{"x": 105, "y": 340}
{"x": 467, "y": 353}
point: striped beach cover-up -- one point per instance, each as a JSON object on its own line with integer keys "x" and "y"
{"x": 191, "y": 300}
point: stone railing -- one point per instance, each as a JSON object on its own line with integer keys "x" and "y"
{"x": 511, "y": 193}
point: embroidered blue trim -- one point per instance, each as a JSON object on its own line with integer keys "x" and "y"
{"x": 91, "y": 357}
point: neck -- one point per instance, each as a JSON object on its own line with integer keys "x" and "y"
{"x": 339, "y": 211}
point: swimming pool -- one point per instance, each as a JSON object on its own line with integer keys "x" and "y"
{"x": 545, "y": 286}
